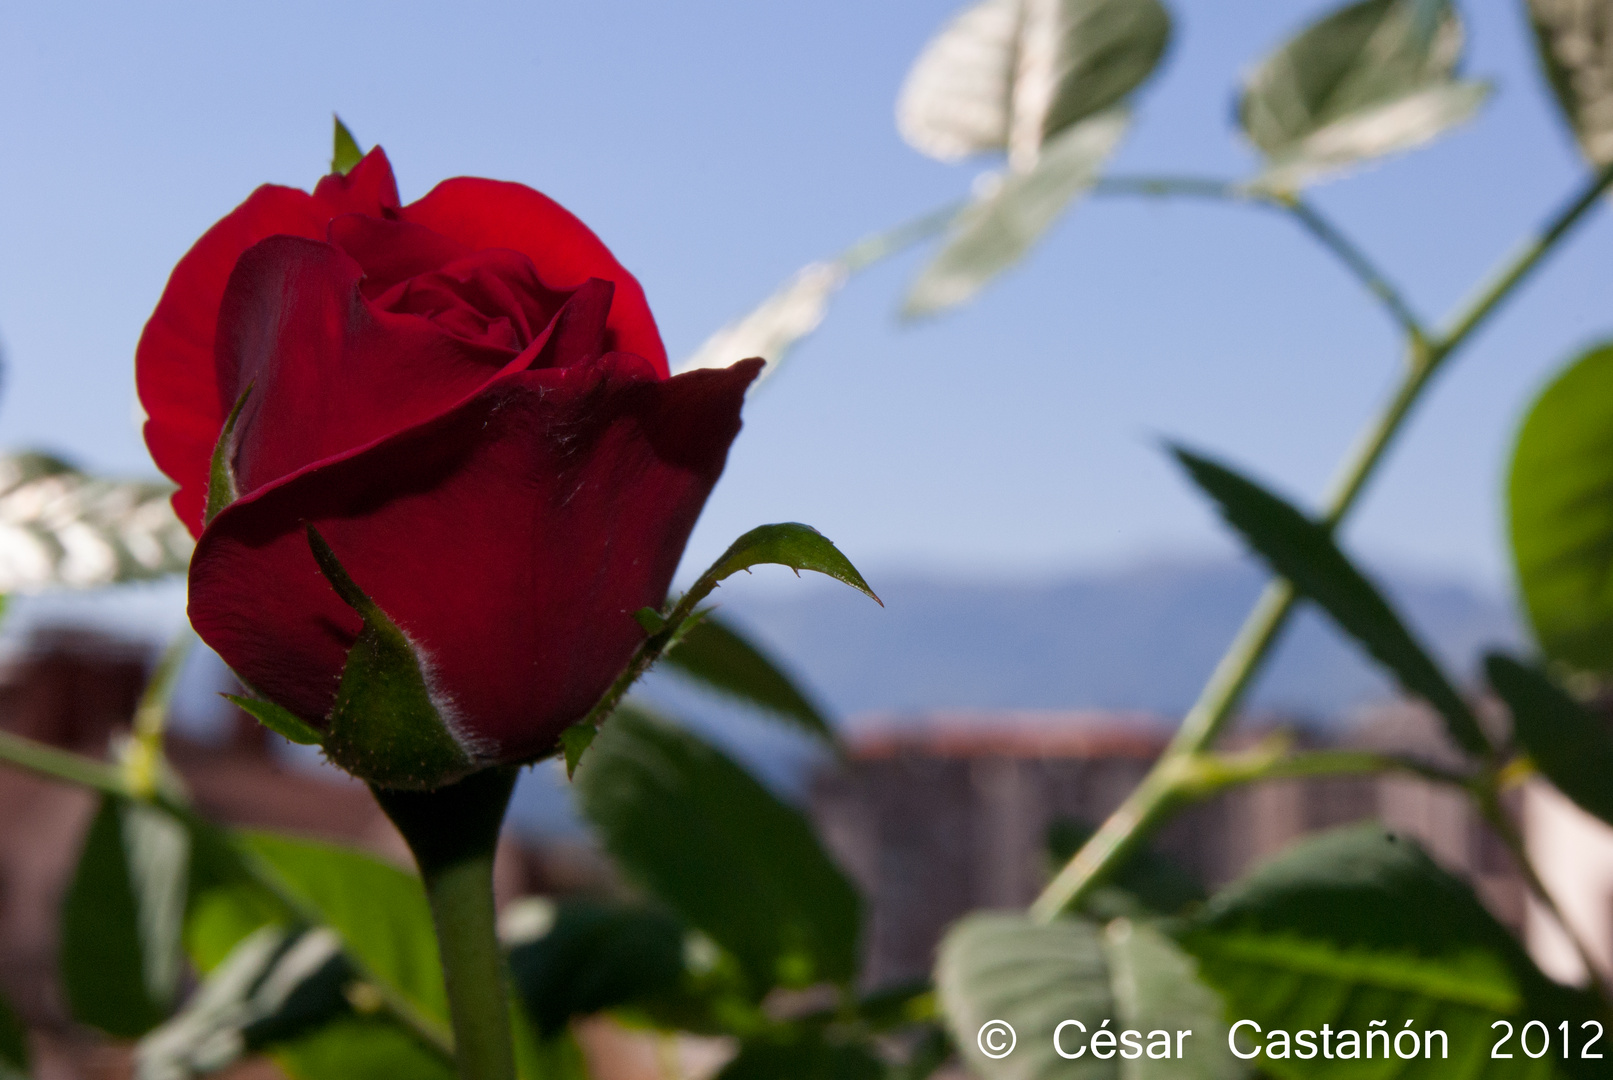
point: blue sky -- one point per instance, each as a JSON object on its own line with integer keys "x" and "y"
{"x": 717, "y": 147}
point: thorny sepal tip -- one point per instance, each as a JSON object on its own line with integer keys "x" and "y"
{"x": 282, "y": 721}
{"x": 385, "y": 727}
{"x": 573, "y": 741}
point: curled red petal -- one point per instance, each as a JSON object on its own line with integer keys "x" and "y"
{"x": 329, "y": 371}
{"x": 490, "y": 213}
{"x": 512, "y": 539}
{"x": 174, "y": 369}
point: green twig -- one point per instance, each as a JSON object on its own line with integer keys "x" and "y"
{"x": 1154, "y": 799}
{"x": 1308, "y": 217}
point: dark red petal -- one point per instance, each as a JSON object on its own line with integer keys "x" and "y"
{"x": 392, "y": 251}
{"x": 329, "y": 371}
{"x": 174, "y": 369}
{"x": 494, "y": 214}
{"x": 512, "y": 539}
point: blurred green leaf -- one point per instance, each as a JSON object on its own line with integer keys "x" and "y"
{"x": 1011, "y": 75}
{"x": 722, "y": 851}
{"x": 1560, "y": 496}
{"x": 1358, "y": 925}
{"x": 773, "y": 327}
{"x": 808, "y": 1055}
{"x": 14, "y": 1058}
{"x": 1303, "y": 551}
{"x": 1000, "y": 226}
{"x": 274, "y": 985}
{"x": 62, "y": 527}
{"x": 1572, "y": 747}
{"x": 1147, "y": 883}
{"x": 1035, "y": 976}
{"x": 379, "y": 911}
{"x": 800, "y": 547}
{"x": 1574, "y": 39}
{"x": 1366, "y": 80}
{"x": 596, "y": 955}
{"x": 122, "y": 918}
{"x": 345, "y": 151}
{"x": 713, "y": 653}
{"x": 361, "y": 1048}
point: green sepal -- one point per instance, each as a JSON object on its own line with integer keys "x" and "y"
{"x": 221, "y": 489}
{"x": 651, "y": 620}
{"x": 384, "y": 727}
{"x": 574, "y": 740}
{"x": 345, "y": 150}
{"x": 281, "y": 721}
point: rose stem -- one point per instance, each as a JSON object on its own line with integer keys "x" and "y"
{"x": 453, "y": 832}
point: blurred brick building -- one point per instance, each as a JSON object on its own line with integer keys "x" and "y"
{"x": 938, "y": 814}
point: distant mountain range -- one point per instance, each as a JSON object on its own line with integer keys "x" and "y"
{"x": 1137, "y": 639}
{"x": 1143, "y": 638}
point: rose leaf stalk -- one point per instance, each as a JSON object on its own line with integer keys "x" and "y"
{"x": 1163, "y": 789}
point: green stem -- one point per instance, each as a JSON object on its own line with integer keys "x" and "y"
{"x": 1210, "y": 774}
{"x": 871, "y": 249}
{"x": 453, "y": 833}
{"x": 1308, "y": 217}
{"x": 1158, "y": 795}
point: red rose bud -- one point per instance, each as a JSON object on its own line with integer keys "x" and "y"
{"x": 462, "y": 405}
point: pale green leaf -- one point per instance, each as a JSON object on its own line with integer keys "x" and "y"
{"x": 1033, "y": 977}
{"x": 996, "y": 230}
{"x": 1365, "y": 80}
{"x": 1574, "y": 39}
{"x": 1010, "y": 75}
{"x": 61, "y": 527}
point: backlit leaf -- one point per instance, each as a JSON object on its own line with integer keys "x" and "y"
{"x": 61, "y": 527}
{"x": 996, "y": 230}
{"x": 1574, "y": 39}
{"x": 774, "y": 326}
{"x": 1367, "y": 79}
{"x": 1011, "y": 75}
{"x": 1035, "y": 977}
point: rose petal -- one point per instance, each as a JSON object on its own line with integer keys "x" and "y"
{"x": 174, "y": 369}
{"x": 329, "y": 371}
{"x": 512, "y": 539}
{"x": 490, "y": 213}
